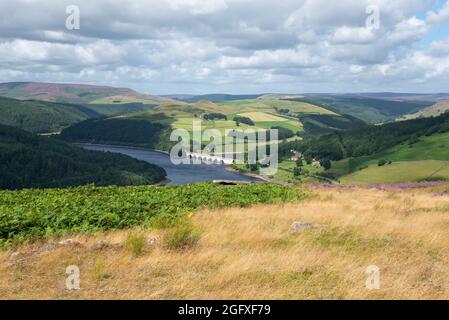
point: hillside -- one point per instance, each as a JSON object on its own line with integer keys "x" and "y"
{"x": 212, "y": 97}
{"x": 120, "y": 131}
{"x": 257, "y": 114}
{"x": 369, "y": 140}
{"x": 434, "y": 110}
{"x": 384, "y": 153}
{"x": 422, "y": 159}
{"x": 369, "y": 109}
{"x": 29, "y": 161}
{"x": 74, "y": 93}
{"x": 41, "y": 116}
{"x": 253, "y": 255}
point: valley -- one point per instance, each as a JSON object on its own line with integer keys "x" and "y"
{"x": 309, "y": 124}
{"x": 349, "y": 165}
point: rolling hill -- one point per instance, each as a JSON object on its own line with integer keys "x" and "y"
{"x": 260, "y": 114}
{"x": 218, "y": 97}
{"x": 41, "y": 116}
{"x": 436, "y": 109}
{"x": 370, "y": 110}
{"x": 75, "y": 93}
{"x": 29, "y": 161}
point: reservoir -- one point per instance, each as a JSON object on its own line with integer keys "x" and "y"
{"x": 178, "y": 174}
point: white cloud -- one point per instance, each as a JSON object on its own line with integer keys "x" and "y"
{"x": 440, "y": 16}
{"x": 354, "y": 35}
{"x": 197, "y": 7}
{"x": 164, "y": 46}
{"x": 286, "y": 58}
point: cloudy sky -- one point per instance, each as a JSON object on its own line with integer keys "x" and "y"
{"x": 232, "y": 46}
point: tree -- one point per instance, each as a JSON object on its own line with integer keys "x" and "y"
{"x": 299, "y": 163}
{"x": 283, "y": 133}
{"x": 253, "y": 167}
{"x": 308, "y": 158}
{"x": 297, "y": 172}
{"x": 244, "y": 120}
{"x": 326, "y": 164}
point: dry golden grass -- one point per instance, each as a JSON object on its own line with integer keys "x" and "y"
{"x": 251, "y": 254}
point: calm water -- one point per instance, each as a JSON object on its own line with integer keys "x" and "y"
{"x": 181, "y": 174}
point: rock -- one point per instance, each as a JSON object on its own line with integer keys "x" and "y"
{"x": 47, "y": 247}
{"x": 300, "y": 226}
{"x": 151, "y": 241}
{"x": 15, "y": 256}
{"x": 105, "y": 245}
{"x": 70, "y": 242}
{"x": 230, "y": 182}
{"x": 101, "y": 245}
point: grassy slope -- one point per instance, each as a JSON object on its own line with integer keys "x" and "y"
{"x": 110, "y": 110}
{"x": 429, "y": 148}
{"x": 369, "y": 110}
{"x": 432, "y": 111}
{"x": 410, "y": 171}
{"x": 250, "y": 254}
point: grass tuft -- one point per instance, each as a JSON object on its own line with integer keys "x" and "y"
{"x": 182, "y": 237}
{"x": 135, "y": 243}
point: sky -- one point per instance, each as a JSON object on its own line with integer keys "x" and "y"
{"x": 229, "y": 46}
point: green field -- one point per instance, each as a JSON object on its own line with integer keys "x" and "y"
{"x": 271, "y": 104}
{"x": 434, "y": 147}
{"x": 411, "y": 171}
{"x": 221, "y": 125}
{"x": 265, "y": 113}
{"x": 285, "y": 172}
{"x": 261, "y": 112}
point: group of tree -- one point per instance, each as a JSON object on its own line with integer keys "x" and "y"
{"x": 244, "y": 120}
{"x": 29, "y": 161}
{"x": 215, "y": 116}
{"x": 119, "y": 131}
{"x": 283, "y": 133}
{"x": 283, "y": 111}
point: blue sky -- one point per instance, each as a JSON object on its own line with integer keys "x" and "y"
{"x": 230, "y": 46}
{"x": 438, "y": 32}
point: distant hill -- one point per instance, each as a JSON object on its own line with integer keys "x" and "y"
{"x": 219, "y": 97}
{"x": 41, "y": 116}
{"x": 152, "y": 128}
{"x": 74, "y": 93}
{"x": 369, "y": 109}
{"x": 440, "y": 107}
{"x": 29, "y": 161}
